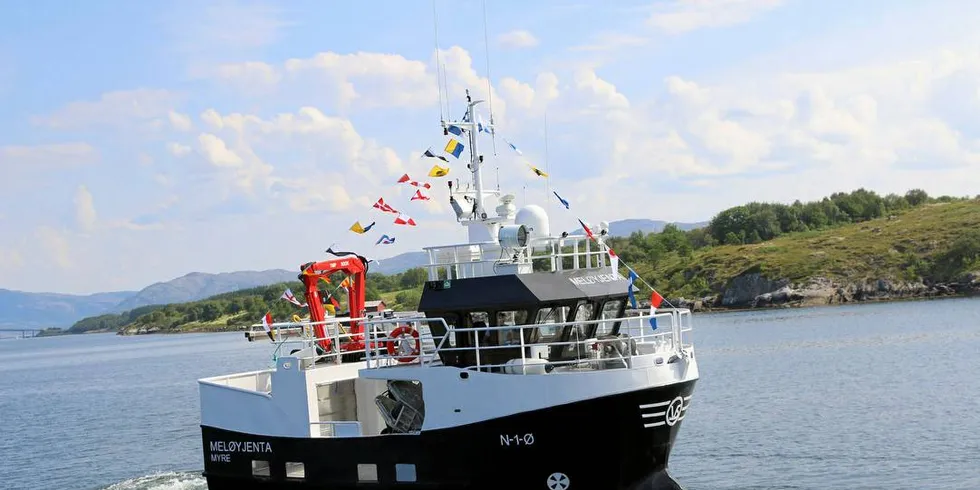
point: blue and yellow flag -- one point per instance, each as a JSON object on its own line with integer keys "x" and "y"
{"x": 454, "y": 148}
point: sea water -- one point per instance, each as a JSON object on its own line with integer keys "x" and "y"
{"x": 874, "y": 396}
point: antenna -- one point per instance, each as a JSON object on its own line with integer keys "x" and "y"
{"x": 486, "y": 47}
{"x": 435, "y": 28}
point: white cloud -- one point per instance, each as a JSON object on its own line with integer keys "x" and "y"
{"x": 180, "y": 122}
{"x": 217, "y": 152}
{"x": 517, "y": 39}
{"x": 679, "y": 16}
{"x": 369, "y": 79}
{"x": 121, "y": 109}
{"x": 85, "y": 213}
{"x": 178, "y": 150}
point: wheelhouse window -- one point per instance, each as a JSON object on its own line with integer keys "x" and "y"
{"x": 479, "y": 320}
{"x": 609, "y": 310}
{"x": 556, "y": 314}
{"x": 579, "y": 331}
{"x": 510, "y": 336}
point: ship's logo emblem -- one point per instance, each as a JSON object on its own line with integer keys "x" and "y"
{"x": 667, "y": 413}
{"x": 675, "y": 411}
{"x": 558, "y": 481}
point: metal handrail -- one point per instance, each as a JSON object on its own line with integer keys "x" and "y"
{"x": 677, "y": 323}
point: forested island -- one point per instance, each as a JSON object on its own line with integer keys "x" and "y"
{"x": 847, "y": 247}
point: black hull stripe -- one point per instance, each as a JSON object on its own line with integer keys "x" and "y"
{"x": 600, "y": 443}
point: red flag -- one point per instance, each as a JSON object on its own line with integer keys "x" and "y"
{"x": 419, "y": 197}
{"x": 383, "y": 206}
{"x": 405, "y": 178}
{"x": 587, "y": 230}
{"x": 656, "y": 299}
{"x": 421, "y": 184}
{"x": 612, "y": 253}
{"x": 403, "y": 219}
{"x": 267, "y": 325}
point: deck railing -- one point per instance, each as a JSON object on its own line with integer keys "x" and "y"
{"x": 641, "y": 339}
{"x": 482, "y": 259}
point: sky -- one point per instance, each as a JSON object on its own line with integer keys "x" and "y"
{"x": 141, "y": 141}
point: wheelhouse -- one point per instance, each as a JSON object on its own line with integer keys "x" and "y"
{"x": 581, "y": 298}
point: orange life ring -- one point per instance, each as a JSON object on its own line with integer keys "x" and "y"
{"x": 394, "y": 337}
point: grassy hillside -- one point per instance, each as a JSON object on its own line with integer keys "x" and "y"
{"x": 937, "y": 242}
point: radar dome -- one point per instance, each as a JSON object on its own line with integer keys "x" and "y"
{"x": 536, "y": 219}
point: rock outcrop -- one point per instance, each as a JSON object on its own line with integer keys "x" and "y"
{"x": 754, "y": 290}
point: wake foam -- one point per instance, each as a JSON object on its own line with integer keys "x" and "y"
{"x": 163, "y": 481}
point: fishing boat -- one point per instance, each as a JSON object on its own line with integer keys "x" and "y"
{"x": 528, "y": 365}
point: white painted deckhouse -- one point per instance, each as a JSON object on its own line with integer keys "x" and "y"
{"x": 524, "y": 368}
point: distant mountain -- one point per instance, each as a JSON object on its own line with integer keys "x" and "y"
{"x": 42, "y": 310}
{"x": 399, "y": 263}
{"x": 18, "y": 308}
{"x": 625, "y": 227}
{"x": 199, "y": 285}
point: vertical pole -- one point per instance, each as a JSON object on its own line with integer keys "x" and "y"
{"x": 475, "y": 158}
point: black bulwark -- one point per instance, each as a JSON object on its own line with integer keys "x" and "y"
{"x": 520, "y": 290}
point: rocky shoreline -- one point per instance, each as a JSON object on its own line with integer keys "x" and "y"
{"x": 756, "y": 291}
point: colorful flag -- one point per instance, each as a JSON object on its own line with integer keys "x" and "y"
{"x": 267, "y": 325}
{"x": 419, "y": 197}
{"x": 404, "y": 219}
{"x": 428, "y": 153}
{"x": 537, "y": 171}
{"x": 656, "y": 300}
{"x": 438, "y": 171}
{"x": 405, "y": 178}
{"x": 514, "y": 147}
{"x": 385, "y": 240}
{"x": 454, "y": 148}
{"x": 421, "y": 184}
{"x": 629, "y": 288}
{"x": 458, "y": 131}
{"x": 563, "y": 202}
{"x": 480, "y": 126}
{"x": 360, "y": 230}
{"x": 587, "y": 230}
{"x": 384, "y": 207}
{"x": 288, "y": 296}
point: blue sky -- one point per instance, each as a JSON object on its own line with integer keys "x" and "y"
{"x": 142, "y": 141}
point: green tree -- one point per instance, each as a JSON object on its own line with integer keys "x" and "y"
{"x": 413, "y": 278}
{"x": 916, "y": 197}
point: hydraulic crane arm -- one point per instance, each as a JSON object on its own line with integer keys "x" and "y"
{"x": 356, "y": 268}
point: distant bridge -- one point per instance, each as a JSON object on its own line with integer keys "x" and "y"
{"x": 21, "y": 332}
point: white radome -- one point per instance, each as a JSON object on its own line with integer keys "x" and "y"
{"x": 535, "y": 219}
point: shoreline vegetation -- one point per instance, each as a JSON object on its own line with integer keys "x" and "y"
{"x": 847, "y": 248}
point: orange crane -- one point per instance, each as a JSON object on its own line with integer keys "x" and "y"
{"x": 355, "y": 267}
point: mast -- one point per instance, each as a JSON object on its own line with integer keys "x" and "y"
{"x": 469, "y": 124}
{"x": 476, "y": 160}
